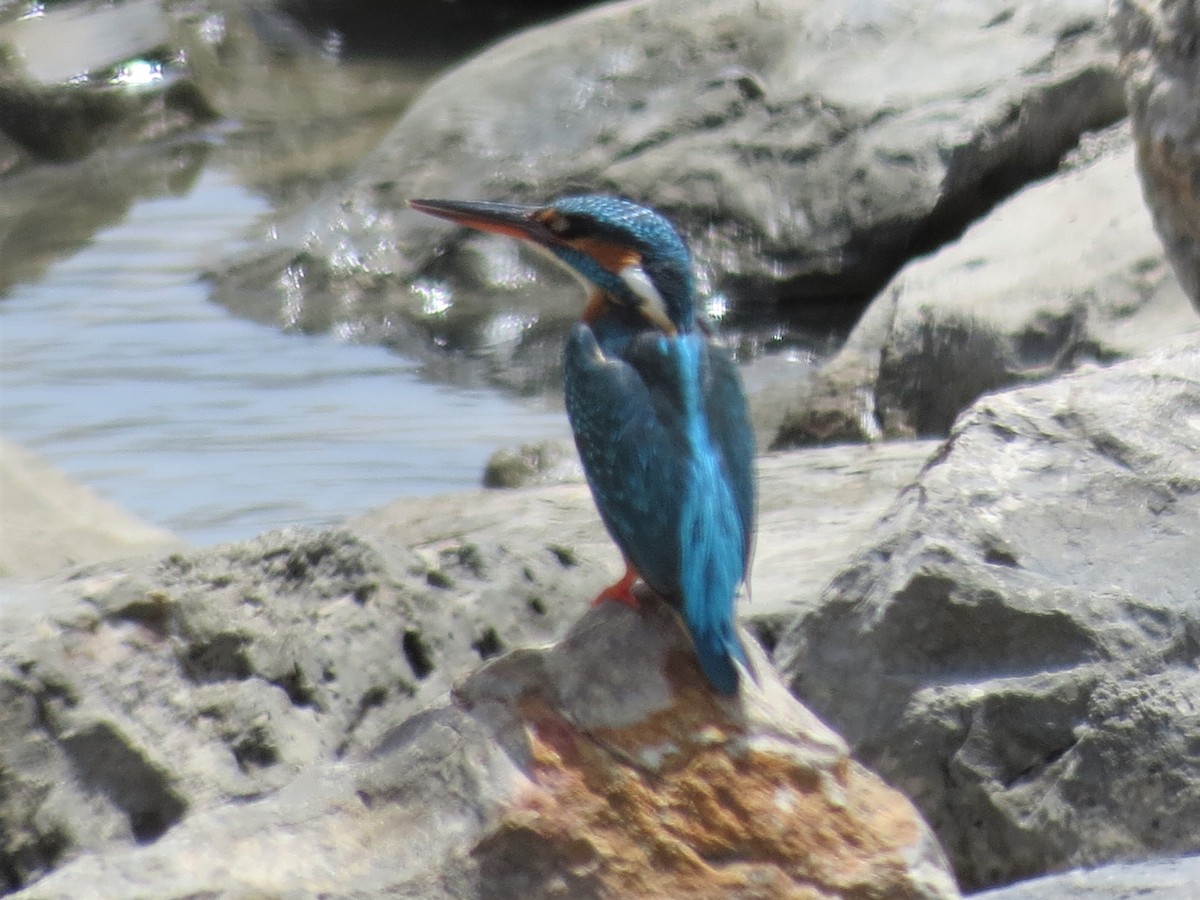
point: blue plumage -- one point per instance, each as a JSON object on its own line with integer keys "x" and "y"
{"x": 658, "y": 411}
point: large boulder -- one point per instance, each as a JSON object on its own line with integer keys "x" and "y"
{"x": 1015, "y": 645}
{"x": 806, "y": 149}
{"x": 599, "y": 767}
{"x": 1160, "y": 58}
{"x": 1065, "y": 272}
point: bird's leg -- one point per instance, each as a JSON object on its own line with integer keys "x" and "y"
{"x": 622, "y": 591}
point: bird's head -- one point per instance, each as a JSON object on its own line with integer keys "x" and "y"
{"x": 628, "y": 256}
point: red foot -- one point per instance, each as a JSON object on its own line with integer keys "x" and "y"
{"x": 622, "y": 591}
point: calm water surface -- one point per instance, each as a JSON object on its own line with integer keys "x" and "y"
{"x": 116, "y": 368}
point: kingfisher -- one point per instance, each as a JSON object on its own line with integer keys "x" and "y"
{"x": 656, "y": 407}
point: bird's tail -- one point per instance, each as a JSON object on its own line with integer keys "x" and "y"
{"x": 718, "y": 649}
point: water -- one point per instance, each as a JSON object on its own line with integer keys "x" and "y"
{"x": 116, "y": 368}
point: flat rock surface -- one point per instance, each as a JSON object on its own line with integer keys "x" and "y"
{"x": 814, "y": 508}
{"x": 1014, "y": 644}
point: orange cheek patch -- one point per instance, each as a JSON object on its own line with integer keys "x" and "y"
{"x": 612, "y": 257}
{"x": 596, "y": 307}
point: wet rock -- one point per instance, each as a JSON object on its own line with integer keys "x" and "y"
{"x": 1015, "y": 645}
{"x": 1160, "y": 59}
{"x": 120, "y": 97}
{"x": 78, "y": 78}
{"x": 806, "y": 150}
{"x": 1169, "y": 879}
{"x": 1066, "y": 272}
{"x": 50, "y": 522}
{"x": 552, "y": 772}
{"x": 301, "y": 112}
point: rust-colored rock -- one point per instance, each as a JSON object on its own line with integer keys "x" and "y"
{"x": 661, "y": 789}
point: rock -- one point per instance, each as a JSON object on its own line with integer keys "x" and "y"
{"x": 554, "y": 773}
{"x": 1160, "y": 59}
{"x": 1065, "y": 272}
{"x": 1014, "y": 646}
{"x": 1168, "y": 879}
{"x": 50, "y": 522}
{"x": 133, "y": 696}
{"x": 549, "y": 462}
{"x": 74, "y": 81}
{"x": 124, "y": 92}
{"x": 807, "y": 150}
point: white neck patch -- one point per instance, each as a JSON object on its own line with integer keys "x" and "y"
{"x": 653, "y": 306}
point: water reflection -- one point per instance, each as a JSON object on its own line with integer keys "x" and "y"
{"x": 117, "y": 368}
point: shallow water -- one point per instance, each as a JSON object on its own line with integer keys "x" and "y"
{"x": 116, "y": 368}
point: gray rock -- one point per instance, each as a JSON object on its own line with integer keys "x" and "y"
{"x": 549, "y": 462}
{"x": 553, "y": 773}
{"x": 124, "y": 91}
{"x": 132, "y": 696}
{"x": 1160, "y": 59}
{"x": 1015, "y": 645}
{"x": 71, "y": 82}
{"x": 1169, "y": 879}
{"x": 1065, "y": 272}
{"x": 806, "y": 149}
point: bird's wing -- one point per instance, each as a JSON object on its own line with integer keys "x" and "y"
{"x": 633, "y": 454}
{"x": 672, "y": 482}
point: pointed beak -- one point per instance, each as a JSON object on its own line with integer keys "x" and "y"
{"x": 501, "y": 218}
